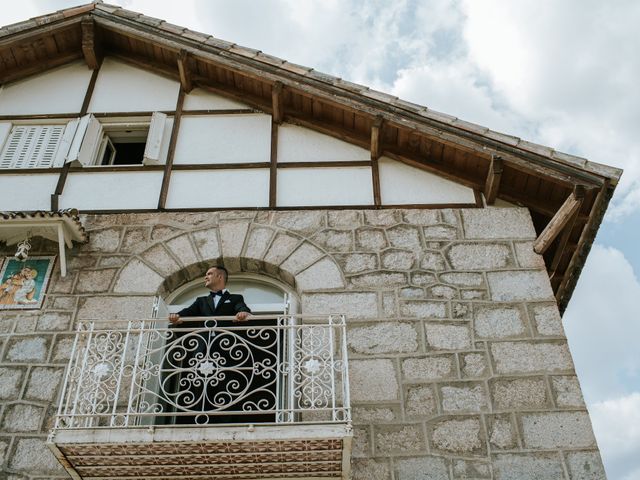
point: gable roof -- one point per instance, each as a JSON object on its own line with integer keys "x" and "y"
{"x": 502, "y": 166}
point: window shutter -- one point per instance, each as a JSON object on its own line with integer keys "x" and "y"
{"x": 154, "y": 139}
{"x": 5, "y": 128}
{"x": 31, "y": 146}
{"x": 65, "y": 142}
{"x": 85, "y": 141}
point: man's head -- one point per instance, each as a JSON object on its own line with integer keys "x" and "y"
{"x": 216, "y": 278}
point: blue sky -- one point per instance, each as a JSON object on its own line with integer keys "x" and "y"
{"x": 563, "y": 73}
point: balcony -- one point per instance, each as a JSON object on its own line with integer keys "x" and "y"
{"x": 211, "y": 398}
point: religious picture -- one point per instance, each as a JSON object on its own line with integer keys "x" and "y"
{"x": 23, "y": 284}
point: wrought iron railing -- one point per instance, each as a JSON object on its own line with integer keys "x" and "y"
{"x": 271, "y": 369}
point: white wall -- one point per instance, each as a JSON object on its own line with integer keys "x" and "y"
{"x": 402, "y": 184}
{"x": 324, "y": 186}
{"x": 224, "y": 139}
{"x": 298, "y": 144}
{"x": 60, "y": 90}
{"x": 27, "y": 192}
{"x": 111, "y": 190}
{"x": 123, "y": 88}
{"x": 199, "y": 99}
{"x": 219, "y": 188}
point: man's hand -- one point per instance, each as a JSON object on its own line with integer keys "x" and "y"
{"x": 241, "y": 316}
{"x": 175, "y": 319}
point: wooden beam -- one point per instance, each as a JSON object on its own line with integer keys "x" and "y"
{"x": 184, "y": 71}
{"x": 39, "y": 67}
{"x": 376, "y": 152}
{"x": 277, "y": 103}
{"x": 568, "y": 209}
{"x": 562, "y": 243}
{"x": 166, "y": 177}
{"x": 492, "y": 185}
{"x": 273, "y": 167}
{"x": 90, "y": 46}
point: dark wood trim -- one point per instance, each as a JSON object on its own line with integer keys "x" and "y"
{"x": 89, "y": 93}
{"x": 126, "y": 114}
{"x": 346, "y": 163}
{"x": 41, "y": 66}
{"x": 376, "y": 152}
{"x": 570, "y": 207}
{"x": 560, "y": 247}
{"x": 277, "y": 103}
{"x": 228, "y": 111}
{"x": 90, "y": 44}
{"x": 492, "y": 184}
{"x": 184, "y": 71}
{"x": 116, "y": 168}
{"x": 207, "y": 84}
{"x": 432, "y": 206}
{"x": 221, "y": 166}
{"x": 166, "y": 177}
{"x": 273, "y": 165}
{"x": 478, "y": 197}
{"x": 44, "y": 116}
{"x": 62, "y": 179}
{"x": 24, "y": 171}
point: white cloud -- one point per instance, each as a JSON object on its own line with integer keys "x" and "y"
{"x": 616, "y": 423}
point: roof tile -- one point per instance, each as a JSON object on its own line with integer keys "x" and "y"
{"x": 151, "y": 21}
{"x": 122, "y": 12}
{"x": 471, "y": 127}
{"x": 196, "y": 36}
{"x": 439, "y": 116}
{"x": 216, "y": 42}
{"x": 535, "y": 148}
{"x": 567, "y": 158}
{"x": 501, "y": 137}
{"x": 414, "y": 107}
{"x": 351, "y": 86}
{"x": 244, "y": 51}
{"x": 295, "y": 68}
{"x": 377, "y": 95}
{"x": 107, "y": 7}
{"x": 170, "y": 27}
{"x": 270, "y": 59}
{"x": 323, "y": 77}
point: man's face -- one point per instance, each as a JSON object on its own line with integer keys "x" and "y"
{"x": 213, "y": 279}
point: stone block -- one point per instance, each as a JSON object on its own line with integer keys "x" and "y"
{"x": 421, "y": 217}
{"x": 448, "y": 336}
{"x": 585, "y": 466}
{"x": 137, "y": 277}
{"x": 420, "y": 402}
{"x": 394, "y": 439}
{"x": 135, "y": 239}
{"x": 164, "y": 232}
{"x": 361, "y": 444}
{"x": 335, "y": 240}
{"x": 158, "y": 257}
{"x": 502, "y": 432}
{"x": 404, "y": 236}
{"x": 514, "y": 286}
{"x": 27, "y": 349}
{"x": 498, "y": 322}
{"x": 373, "y": 380}
{"x": 547, "y": 320}
{"x": 411, "y": 292}
{"x": 322, "y": 275}
{"x": 259, "y": 238}
{"x": 20, "y": 417}
{"x": 473, "y": 294}
{"x": 387, "y": 337}
{"x": 389, "y": 304}
{"x": 64, "y": 303}
{"x": 183, "y": 250}
{"x": 527, "y": 258}
{"x": 471, "y": 469}
{"x": 305, "y": 255}
{"x": 474, "y": 365}
{"x": 33, "y": 456}
{"x": 358, "y": 262}
{"x": 461, "y": 311}
{"x": 422, "y": 279}
{"x": 62, "y": 349}
{"x": 10, "y": 382}
{"x": 303, "y": 221}
{"x": 4, "y": 448}
{"x": 368, "y": 469}
{"x": 480, "y": 256}
{"x": 54, "y": 321}
{"x": 379, "y": 280}
{"x": 557, "y": 430}
{"x": 529, "y": 357}
{"x": 371, "y": 239}
{"x": 95, "y": 281}
{"x": 439, "y": 232}
{"x": 381, "y": 217}
{"x": 60, "y": 284}
{"x": 375, "y": 414}
{"x": 463, "y": 397}
{"x": 113, "y": 260}
{"x": 354, "y": 305}
{"x": 106, "y": 240}
{"x": 232, "y": 236}
{"x": 115, "y": 308}
{"x": 207, "y": 245}
{"x": 281, "y": 247}
{"x": 495, "y": 222}
{"x": 428, "y": 368}
{"x": 567, "y": 391}
{"x": 344, "y": 218}
{"x": 421, "y": 468}
{"x": 519, "y": 393}
{"x": 423, "y": 309}
{"x": 528, "y": 467}
{"x": 459, "y": 435}
{"x": 462, "y": 279}
{"x": 442, "y": 291}
{"x": 433, "y": 261}
{"x": 43, "y": 383}
{"x": 398, "y": 259}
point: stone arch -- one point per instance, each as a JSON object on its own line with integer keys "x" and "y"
{"x": 241, "y": 246}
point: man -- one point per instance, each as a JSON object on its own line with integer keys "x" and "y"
{"x": 218, "y": 303}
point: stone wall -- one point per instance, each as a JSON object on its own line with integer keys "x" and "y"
{"x": 458, "y": 361}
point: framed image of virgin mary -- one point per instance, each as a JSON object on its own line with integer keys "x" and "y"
{"x": 23, "y": 283}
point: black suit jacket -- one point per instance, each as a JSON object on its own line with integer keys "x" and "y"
{"x": 228, "y": 305}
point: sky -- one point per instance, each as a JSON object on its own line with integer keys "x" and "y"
{"x": 563, "y": 73}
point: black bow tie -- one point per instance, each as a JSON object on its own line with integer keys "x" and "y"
{"x": 215, "y": 294}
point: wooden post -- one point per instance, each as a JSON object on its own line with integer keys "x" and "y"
{"x": 560, "y": 220}
{"x": 184, "y": 71}
{"x": 492, "y": 184}
{"x": 166, "y": 177}
{"x": 376, "y": 152}
{"x": 277, "y": 103}
{"x": 273, "y": 169}
{"x": 89, "y": 45}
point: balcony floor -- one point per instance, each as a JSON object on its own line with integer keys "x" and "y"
{"x": 193, "y": 452}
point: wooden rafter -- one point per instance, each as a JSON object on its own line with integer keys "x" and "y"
{"x": 376, "y": 152}
{"x": 184, "y": 71}
{"x": 166, "y": 177}
{"x": 492, "y": 185}
{"x": 90, "y": 45}
{"x": 277, "y": 103}
{"x": 560, "y": 220}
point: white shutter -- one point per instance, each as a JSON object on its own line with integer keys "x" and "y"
{"x": 154, "y": 139}
{"x": 85, "y": 141}
{"x": 65, "y": 143}
{"x": 31, "y": 146}
{"x": 5, "y": 128}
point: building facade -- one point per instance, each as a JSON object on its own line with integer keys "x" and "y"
{"x": 449, "y": 249}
